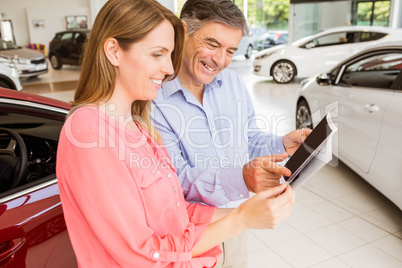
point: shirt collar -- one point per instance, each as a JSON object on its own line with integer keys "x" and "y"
{"x": 171, "y": 87}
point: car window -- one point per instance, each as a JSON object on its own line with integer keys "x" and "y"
{"x": 378, "y": 71}
{"x": 80, "y": 38}
{"x": 32, "y": 228}
{"x": 40, "y": 133}
{"x": 371, "y": 36}
{"x": 334, "y": 39}
{"x": 67, "y": 37}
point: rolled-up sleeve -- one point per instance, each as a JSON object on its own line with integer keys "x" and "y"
{"x": 215, "y": 186}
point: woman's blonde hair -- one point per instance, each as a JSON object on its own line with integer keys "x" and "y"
{"x": 128, "y": 21}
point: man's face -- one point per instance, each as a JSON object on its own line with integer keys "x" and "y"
{"x": 208, "y": 51}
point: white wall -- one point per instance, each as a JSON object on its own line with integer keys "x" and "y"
{"x": 52, "y": 12}
{"x": 95, "y": 6}
{"x": 170, "y": 4}
{"x": 54, "y": 22}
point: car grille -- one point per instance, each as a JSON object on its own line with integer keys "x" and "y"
{"x": 38, "y": 61}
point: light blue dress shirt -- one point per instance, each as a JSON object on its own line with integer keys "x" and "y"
{"x": 210, "y": 143}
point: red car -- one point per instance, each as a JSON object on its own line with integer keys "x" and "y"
{"x": 32, "y": 227}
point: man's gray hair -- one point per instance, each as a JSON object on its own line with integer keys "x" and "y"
{"x": 197, "y": 13}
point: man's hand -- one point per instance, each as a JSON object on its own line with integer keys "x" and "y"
{"x": 262, "y": 172}
{"x": 292, "y": 140}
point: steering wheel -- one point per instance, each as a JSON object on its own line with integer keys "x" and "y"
{"x": 12, "y": 166}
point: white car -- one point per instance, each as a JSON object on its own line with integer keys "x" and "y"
{"x": 29, "y": 63}
{"x": 245, "y": 47}
{"x": 367, "y": 91}
{"x": 320, "y": 52}
{"x": 9, "y": 76}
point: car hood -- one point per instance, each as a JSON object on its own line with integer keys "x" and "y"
{"x": 22, "y": 53}
{"x": 270, "y": 50}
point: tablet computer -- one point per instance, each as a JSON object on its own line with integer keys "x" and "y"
{"x": 310, "y": 149}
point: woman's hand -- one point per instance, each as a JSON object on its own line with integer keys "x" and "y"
{"x": 266, "y": 209}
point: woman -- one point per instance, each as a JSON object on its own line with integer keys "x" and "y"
{"x": 122, "y": 201}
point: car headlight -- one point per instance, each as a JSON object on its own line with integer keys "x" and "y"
{"x": 7, "y": 62}
{"x": 18, "y": 60}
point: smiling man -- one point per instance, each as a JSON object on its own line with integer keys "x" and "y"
{"x": 207, "y": 120}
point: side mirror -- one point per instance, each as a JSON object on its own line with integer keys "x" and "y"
{"x": 310, "y": 45}
{"x": 324, "y": 79}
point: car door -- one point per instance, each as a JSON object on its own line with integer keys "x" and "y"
{"x": 77, "y": 47}
{"x": 32, "y": 228}
{"x": 386, "y": 169}
{"x": 65, "y": 46}
{"x": 364, "y": 91}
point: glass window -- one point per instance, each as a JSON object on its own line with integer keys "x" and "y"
{"x": 364, "y": 13}
{"x": 377, "y": 62}
{"x": 381, "y": 13}
{"x": 306, "y": 18}
{"x": 80, "y": 38}
{"x": 377, "y": 71}
{"x": 335, "y": 39}
{"x": 371, "y": 36}
{"x": 67, "y": 37}
{"x": 40, "y": 132}
{"x": 372, "y": 13}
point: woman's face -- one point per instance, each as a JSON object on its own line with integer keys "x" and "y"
{"x": 142, "y": 68}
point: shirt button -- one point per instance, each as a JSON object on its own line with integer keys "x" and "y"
{"x": 241, "y": 195}
{"x": 169, "y": 175}
{"x": 175, "y": 190}
{"x": 178, "y": 204}
{"x": 156, "y": 255}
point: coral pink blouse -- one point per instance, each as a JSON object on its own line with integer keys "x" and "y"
{"x": 122, "y": 201}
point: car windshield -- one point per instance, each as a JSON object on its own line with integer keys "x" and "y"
{"x": 269, "y": 36}
{"x": 5, "y": 45}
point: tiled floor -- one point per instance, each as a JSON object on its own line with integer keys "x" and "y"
{"x": 339, "y": 220}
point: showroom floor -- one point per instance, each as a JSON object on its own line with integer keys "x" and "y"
{"x": 339, "y": 220}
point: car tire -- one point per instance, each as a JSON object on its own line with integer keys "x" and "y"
{"x": 303, "y": 115}
{"x": 249, "y": 52}
{"x": 283, "y": 71}
{"x": 5, "y": 84}
{"x": 55, "y": 62}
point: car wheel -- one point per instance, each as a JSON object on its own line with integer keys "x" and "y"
{"x": 55, "y": 62}
{"x": 249, "y": 52}
{"x": 283, "y": 71}
{"x": 303, "y": 116}
{"x": 5, "y": 84}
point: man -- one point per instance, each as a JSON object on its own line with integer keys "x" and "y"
{"x": 207, "y": 120}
